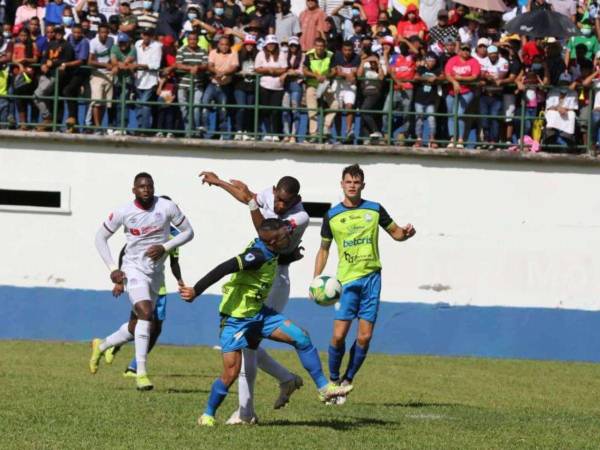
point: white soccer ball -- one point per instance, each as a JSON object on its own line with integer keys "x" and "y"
{"x": 325, "y": 290}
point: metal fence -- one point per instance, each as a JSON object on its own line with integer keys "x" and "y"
{"x": 124, "y": 105}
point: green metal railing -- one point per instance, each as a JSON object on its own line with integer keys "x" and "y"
{"x": 386, "y": 116}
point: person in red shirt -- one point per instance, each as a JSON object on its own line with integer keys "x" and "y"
{"x": 460, "y": 69}
{"x": 312, "y": 24}
{"x": 413, "y": 25}
{"x": 402, "y": 69}
{"x": 372, "y": 9}
{"x": 531, "y": 49}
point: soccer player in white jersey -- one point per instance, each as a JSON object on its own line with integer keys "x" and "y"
{"x": 146, "y": 221}
{"x": 283, "y": 202}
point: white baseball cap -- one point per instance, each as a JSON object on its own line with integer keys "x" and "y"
{"x": 272, "y": 39}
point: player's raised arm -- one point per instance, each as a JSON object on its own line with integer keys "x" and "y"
{"x": 397, "y": 233}
{"x": 103, "y": 234}
{"x": 250, "y": 259}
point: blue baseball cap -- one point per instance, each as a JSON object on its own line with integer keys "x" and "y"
{"x": 123, "y": 37}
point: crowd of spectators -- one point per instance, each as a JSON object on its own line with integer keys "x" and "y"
{"x": 178, "y": 65}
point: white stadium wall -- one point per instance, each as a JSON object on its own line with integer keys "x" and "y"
{"x": 504, "y": 262}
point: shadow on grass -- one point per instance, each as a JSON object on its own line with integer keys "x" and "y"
{"x": 186, "y": 391}
{"x": 350, "y": 423}
{"x": 414, "y": 404}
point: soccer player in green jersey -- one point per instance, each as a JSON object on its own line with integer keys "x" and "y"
{"x": 354, "y": 225}
{"x": 245, "y": 320}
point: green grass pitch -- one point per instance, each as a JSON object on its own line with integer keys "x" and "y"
{"x": 48, "y": 400}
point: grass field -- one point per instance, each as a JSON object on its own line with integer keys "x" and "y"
{"x": 49, "y": 400}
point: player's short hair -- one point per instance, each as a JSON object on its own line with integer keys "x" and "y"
{"x": 288, "y": 184}
{"x": 272, "y": 224}
{"x": 142, "y": 175}
{"x": 354, "y": 171}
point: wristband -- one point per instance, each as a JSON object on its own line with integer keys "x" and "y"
{"x": 253, "y": 205}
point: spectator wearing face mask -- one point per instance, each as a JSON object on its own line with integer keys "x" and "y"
{"x": 349, "y": 12}
{"x": 68, "y": 21}
{"x": 54, "y": 13}
{"x": 384, "y": 25}
{"x": 560, "y": 115}
{"x": 146, "y": 17}
{"x": 587, "y": 39}
{"x": 443, "y": 29}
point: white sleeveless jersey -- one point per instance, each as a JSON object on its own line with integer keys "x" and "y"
{"x": 296, "y": 216}
{"x": 143, "y": 229}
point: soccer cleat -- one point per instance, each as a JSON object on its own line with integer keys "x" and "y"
{"x": 143, "y": 383}
{"x": 286, "y": 390}
{"x": 109, "y": 355}
{"x": 332, "y": 390}
{"x": 342, "y": 398}
{"x": 206, "y": 421}
{"x": 235, "y": 419}
{"x": 96, "y": 355}
{"x": 129, "y": 373}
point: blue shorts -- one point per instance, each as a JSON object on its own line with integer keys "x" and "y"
{"x": 360, "y": 298}
{"x": 238, "y": 333}
{"x": 160, "y": 310}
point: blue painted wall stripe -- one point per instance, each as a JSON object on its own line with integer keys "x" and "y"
{"x": 403, "y": 328}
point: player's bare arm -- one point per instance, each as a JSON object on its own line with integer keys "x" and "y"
{"x": 238, "y": 190}
{"x": 322, "y": 256}
{"x": 401, "y": 233}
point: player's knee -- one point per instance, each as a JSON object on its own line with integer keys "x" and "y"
{"x": 300, "y": 338}
{"x": 364, "y": 338}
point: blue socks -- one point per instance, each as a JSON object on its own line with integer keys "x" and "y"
{"x": 309, "y": 357}
{"x": 132, "y": 364}
{"x": 218, "y": 392}
{"x": 335, "y": 361}
{"x": 357, "y": 357}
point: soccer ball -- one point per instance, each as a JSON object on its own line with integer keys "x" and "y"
{"x": 325, "y": 290}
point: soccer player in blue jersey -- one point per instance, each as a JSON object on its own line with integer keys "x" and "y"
{"x": 245, "y": 320}
{"x": 354, "y": 225}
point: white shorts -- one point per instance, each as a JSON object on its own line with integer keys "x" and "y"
{"x": 141, "y": 286}
{"x": 346, "y": 97}
{"x": 280, "y": 291}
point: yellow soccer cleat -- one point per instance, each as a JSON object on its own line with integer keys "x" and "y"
{"x": 143, "y": 383}
{"x": 206, "y": 421}
{"x": 96, "y": 355}
{"x": 109, "y": 355}
{"x": 129, "y": 373}
{"x": 331, "y": 391}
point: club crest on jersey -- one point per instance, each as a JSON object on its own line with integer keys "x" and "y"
{"x": 158, "y": 216}
{"x": 249, "y": 257}
{"x": 368, "y": 217}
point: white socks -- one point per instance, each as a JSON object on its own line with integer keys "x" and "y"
{"x": 246, "y": 383}
{"x": 272, "y": 367}
{"x": 119, "y": 337}
{"x": 142, "y": 339}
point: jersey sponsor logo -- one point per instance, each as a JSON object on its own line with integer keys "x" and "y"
{"x": 352, "y": 259}
{"x": 237, "y": 336}
{"x": 144, "y": 231}
{"x": 357, "y": 241}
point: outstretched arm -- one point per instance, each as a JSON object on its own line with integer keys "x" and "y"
{"x": 401, "y": 233}
{"x": 232, "y": 265}
{"x": 238, "y": 190}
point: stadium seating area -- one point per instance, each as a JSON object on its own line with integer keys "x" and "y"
{"x": 351, "y": 71}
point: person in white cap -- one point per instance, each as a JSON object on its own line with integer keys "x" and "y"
{"x": 493, "y": 69}
{"x": 270, "y": 63}
{"x": 480, "y": 53}
{"x": 294, "y": 88}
